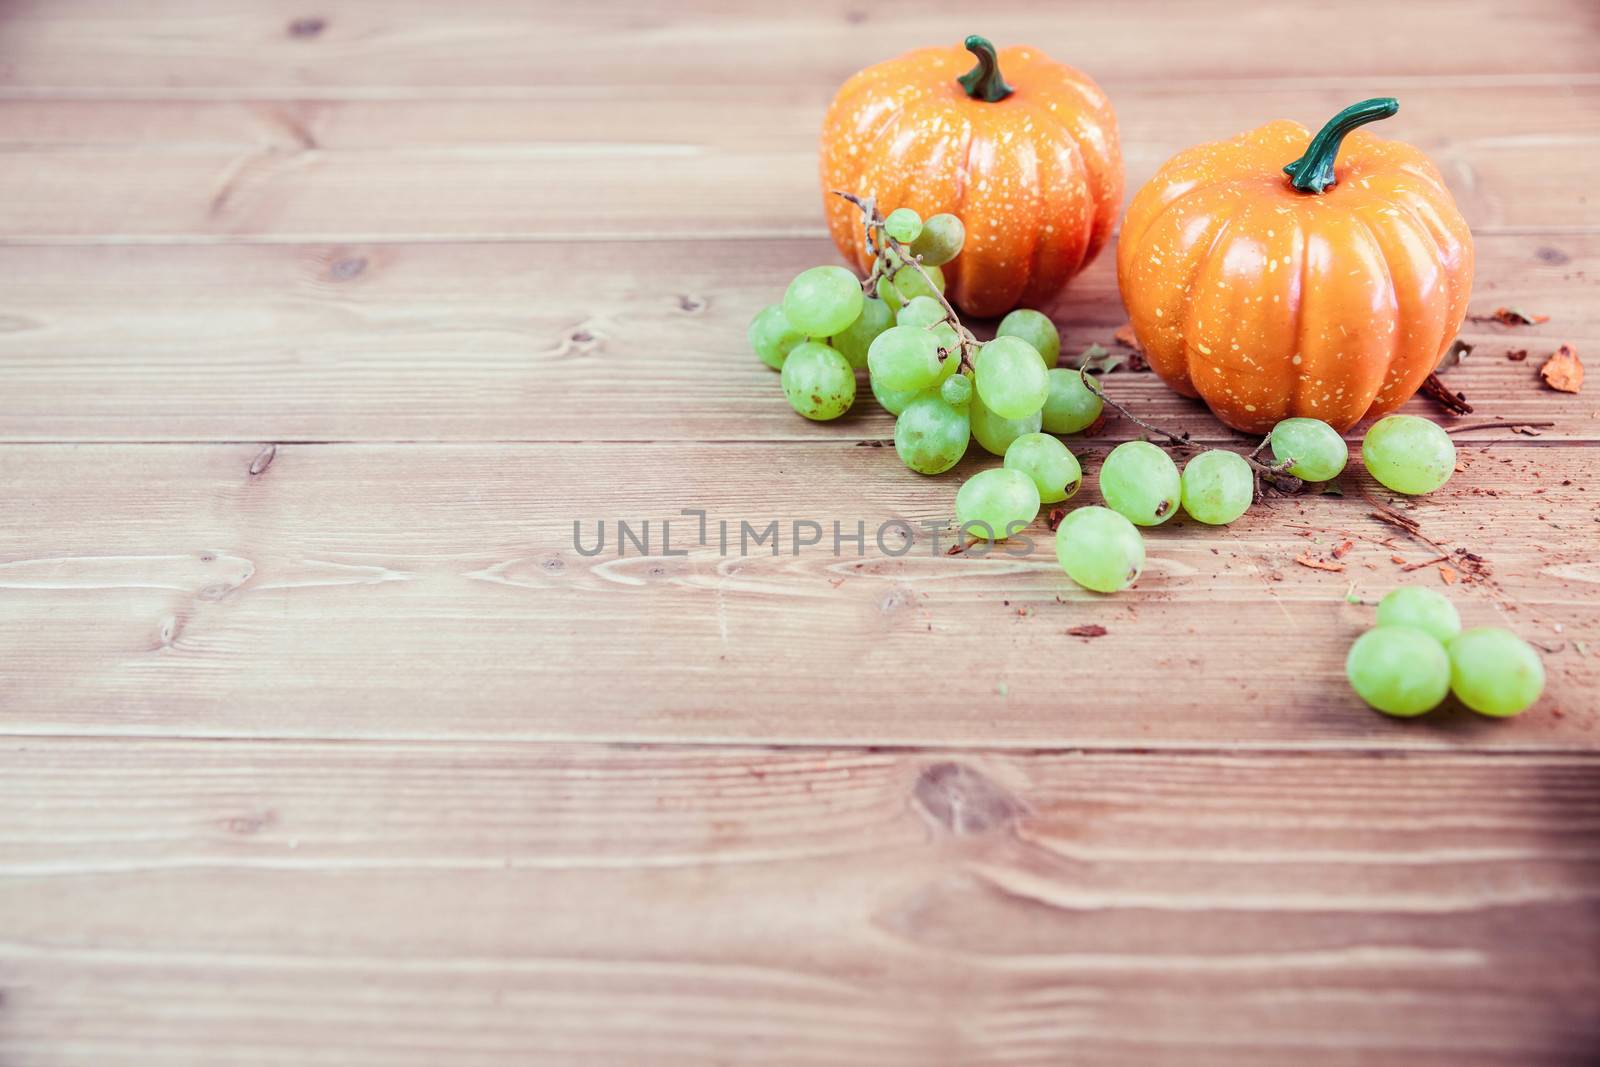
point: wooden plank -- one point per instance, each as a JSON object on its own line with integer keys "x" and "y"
{"x": 288, "y": 45}
{"x": 718, "y": 165}
{"x": 620, "y": 341}
{"x": 512, "y": 904}
{"x": 437, "y": 591}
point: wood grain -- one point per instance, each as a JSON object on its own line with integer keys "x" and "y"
{"x": 290, "y": 45}
{"x": 322, "y": 323}
{"x": 169, "y": 590}
{"x": 625, "y": 341}
{"x": 368, "y": 904}
{"x": 718, "y": 164}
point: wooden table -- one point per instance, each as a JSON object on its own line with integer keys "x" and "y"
{"x": 321, "y": 324}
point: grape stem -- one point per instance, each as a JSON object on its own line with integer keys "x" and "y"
{"x": 1276, "y": 473}
{"x": 878, "y": 239}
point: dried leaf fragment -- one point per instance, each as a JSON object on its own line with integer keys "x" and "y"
{"x": 1097, "y": 360}
{"x": 1510, "y": 317}
{"x": 1448, "y": 573}
{"x": 1091, "y": 630}
{"x": 1306, "y": 559}
{"x": 1563, "y": 370}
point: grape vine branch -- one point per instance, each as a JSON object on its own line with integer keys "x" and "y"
{"x": 878, "y": 239}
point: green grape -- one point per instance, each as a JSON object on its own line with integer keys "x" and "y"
{"x": 875, "y": 317}
{"x": 1054, "y": 470}
{"x": 1408, "y": 454}
{"x": 1318, "y": 451}
{"x": 928, "y": 313}
{"x": 1011, "y": 378}
{"x": 910, "y": 283}
{"x": 1421, "y": 609}
{"x": 1217, "y": 487}
{"x": 1141, "y": 481}
{"x": 1071, "y": 406}
{"x": 893, "y": 401}
{"x": 1495, "y": 672}
{"x": 822, "y": 301}
{"x": 956, "y": 390}
{"x": 905, "y": 357}
{"x": 772, "y": 335}
{"x": 890, "y": 295}
{"x": 930, "y": 435}
{"x": 903, "y": 224}
{"x": 998, "y": 501}
{"x": 818, "y": 381}
{"x": 940, "y": 241}
{"x": 994, "y": 433}
{"x": 1099, "y": 549}
{"x": 1035, "y": 328}
{"x": 1398, "y": 670}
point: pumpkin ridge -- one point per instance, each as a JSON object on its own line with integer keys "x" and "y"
{"x": 1381, "y": 253}
{"x": 1186, "y": 308}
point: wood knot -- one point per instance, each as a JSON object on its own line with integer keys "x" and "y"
{"x": 1553, "y": 256}
{"x": 347, "y": 267}
{"x": 691, "y": 305}
{"x": 250, "y": 822}
{"x": 308, "y": 27}
{"x": 963, "y": 800}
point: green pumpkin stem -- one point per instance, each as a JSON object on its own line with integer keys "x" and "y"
{"x": 1313, "y": 172}
{"x": 984, "y": 82}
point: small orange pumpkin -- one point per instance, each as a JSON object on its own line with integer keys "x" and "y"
{"x": 1029, "y": 161}
{"x": 1275, "y": 275}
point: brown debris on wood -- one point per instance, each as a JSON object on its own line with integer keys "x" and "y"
{"x": 1563, "y": 371}
{"x": 1516, "y": 355}
{"x": 1453, "y": 402}
{"x": 1448, "y": 573}
{"x": 1510, "y": 317}
{"x": 1306, "y": 559}
{"x": 1128, "y": 339}
{"x": 1053, "y": 520}
{"x": 1091, "y": 630}
{"x": 1342, "y": 549}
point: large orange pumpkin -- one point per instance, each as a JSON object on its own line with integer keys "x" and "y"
{"x": 1278, "y": 274}
{"x": 1021, "y": 148}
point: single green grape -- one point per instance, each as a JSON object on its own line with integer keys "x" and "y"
{"x": 875, "y": 317}
{"x": 928, "y": 313}
{"x": 822, "y": 301}
{"x": 903, "y": 224}
{"x": 930, "y": 435}
{"x": 1421, "y": 609}
{"x": 1011, "y": 378}
{"x": 772, "y": 335}
{"x": 1141, "y": 481}
{"x": 956, "y": 390}
{"x": 893, "y": 401}
{"x": 940, "y": 241}
{"x": 1099, "y": 549}
{"x": 998, "y": 502}
{"x": 905, "y": 357}
{"x": 1035, "y": 328}
{"x": 994, "y": 433}
{"x": 818, "y": 381}
{"x": 1408, "y": 454}
{"x": 1398, "y": 670}
{"x": 910, "y": 283}
{"x": 890, "y": 295}
{"x": 1047, "y": 461}
{"x": 1318, "y": 451}
{"x": 1218, "y": 487}
{"x": 1495, "y": 672}
{"x": 1071, "y": 406}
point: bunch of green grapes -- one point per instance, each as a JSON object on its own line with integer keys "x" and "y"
{"x": 1418, "y": 652}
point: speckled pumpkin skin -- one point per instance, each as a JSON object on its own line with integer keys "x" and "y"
{"x": 1036, "y": 178}
{"x": 1267, "y": 303}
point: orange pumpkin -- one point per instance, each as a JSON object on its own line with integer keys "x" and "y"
{"x": 1278, "y": 275}
{"x": 1027, "y": 159}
